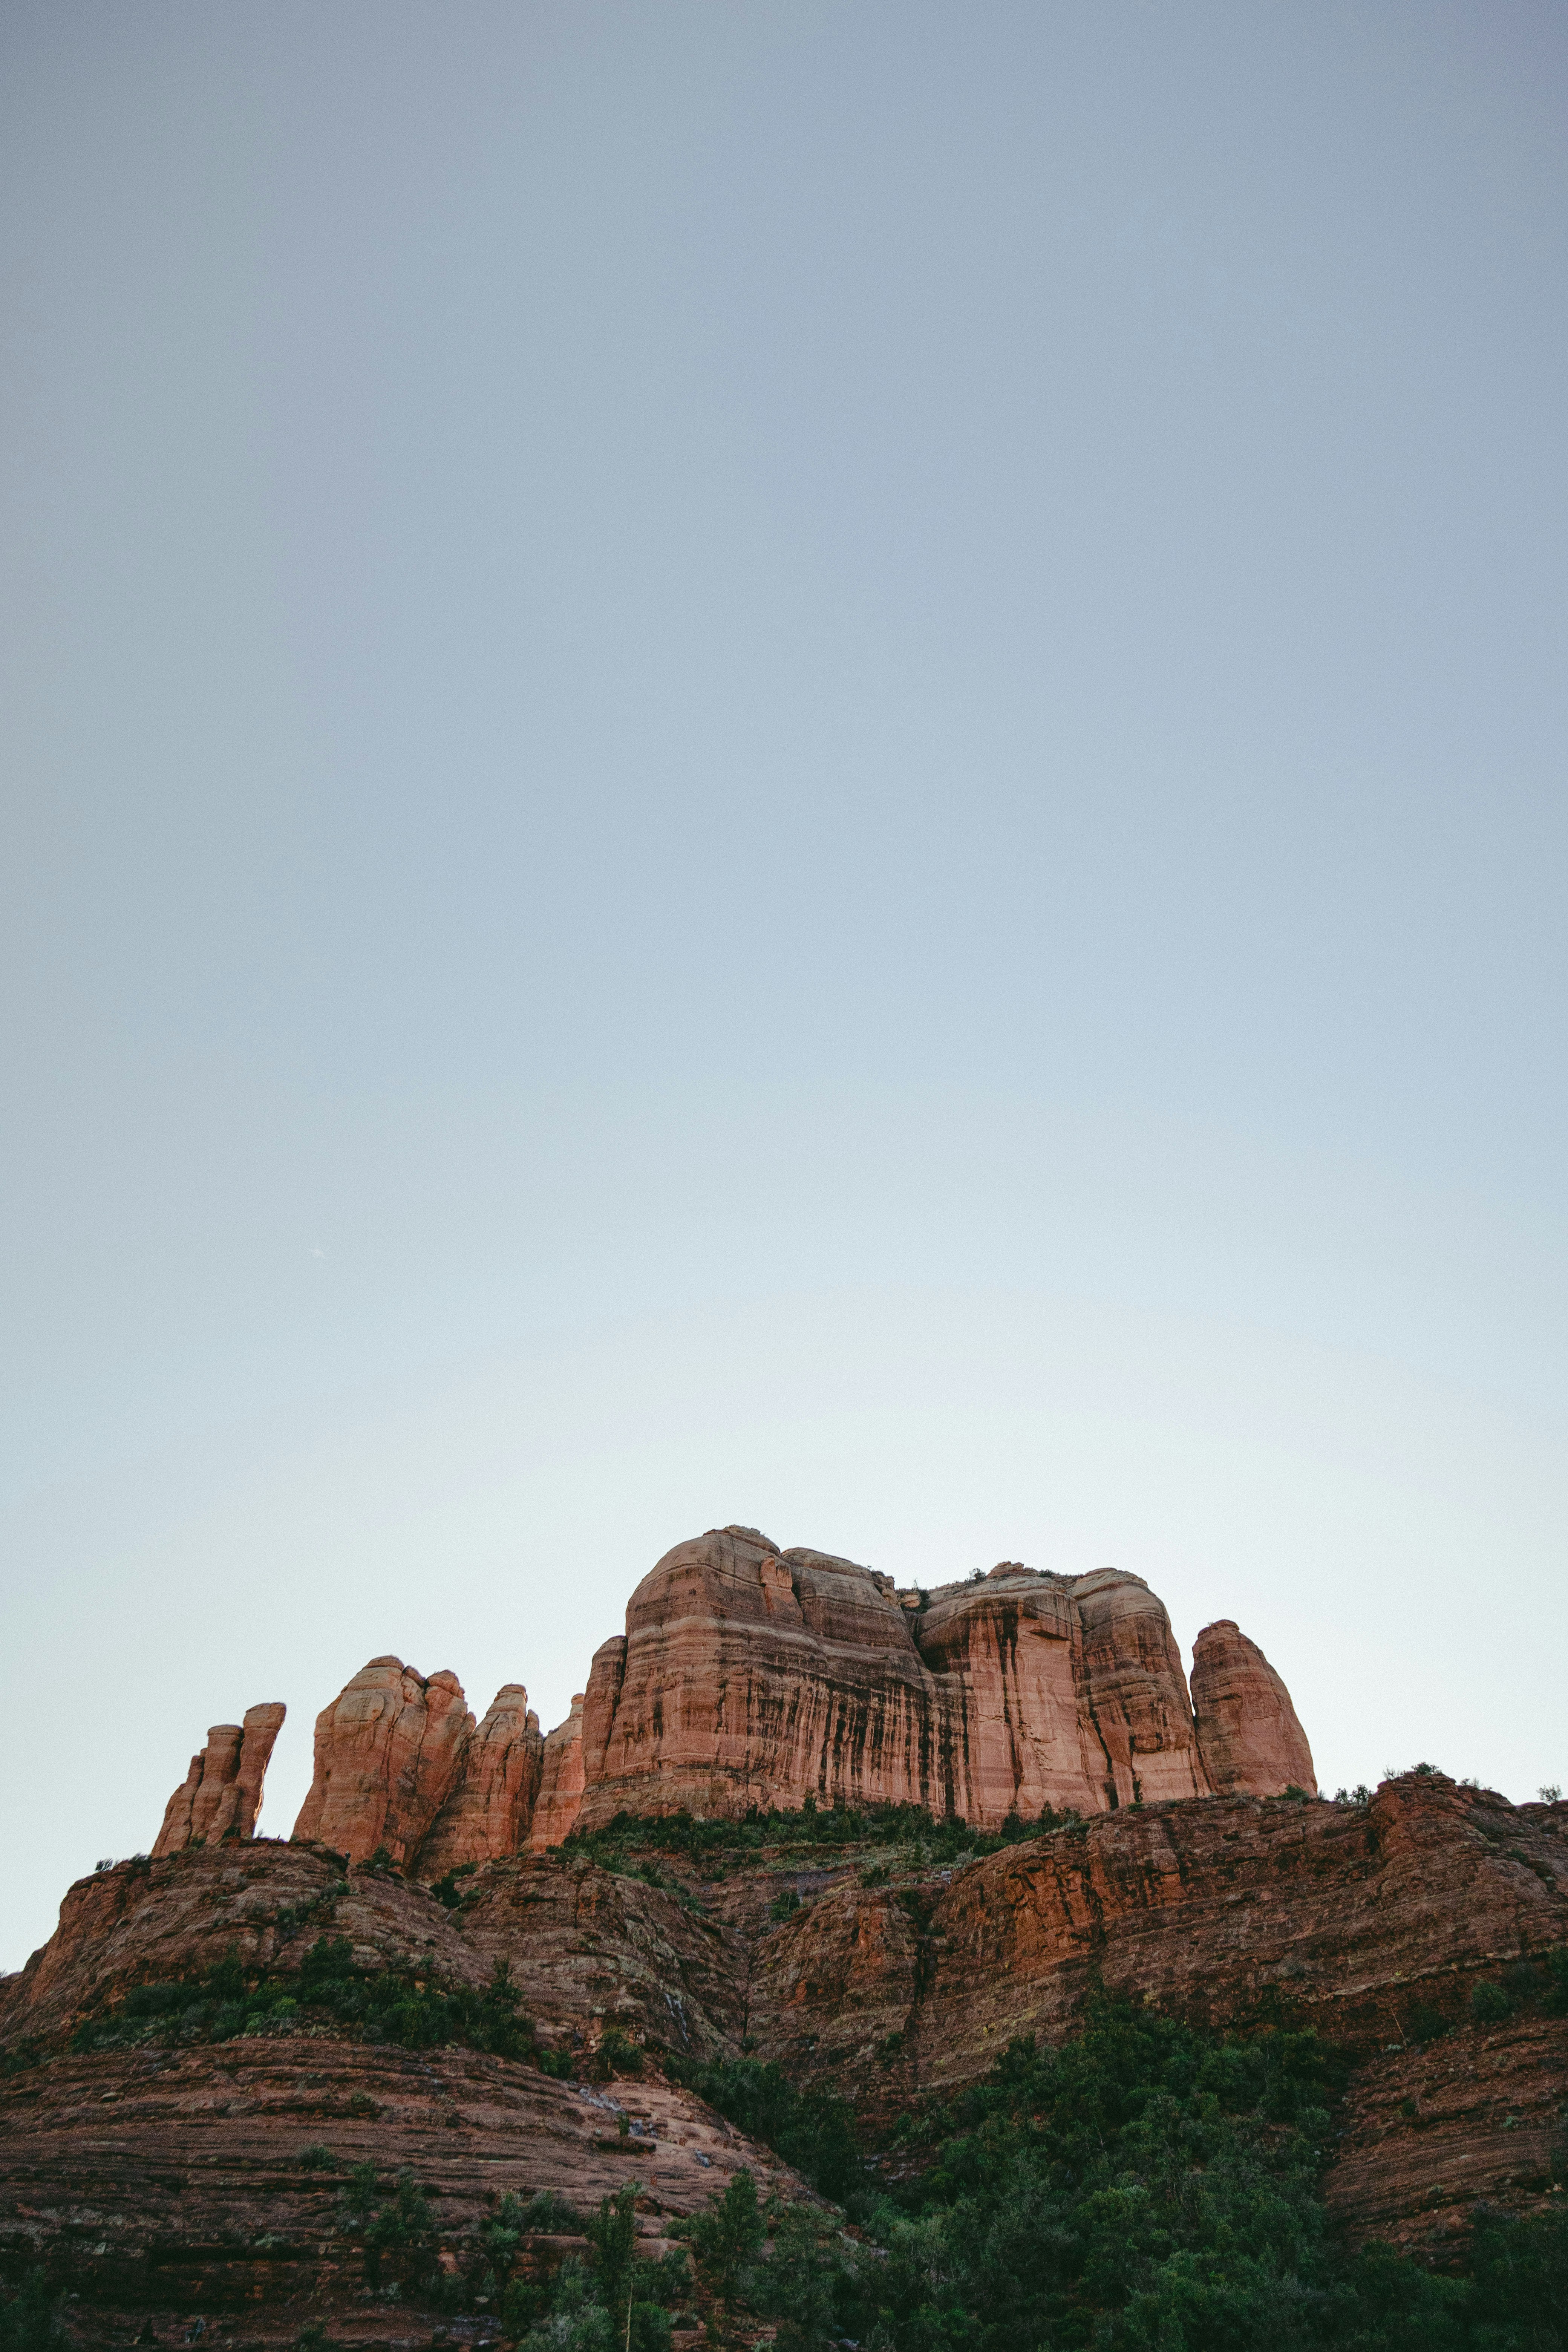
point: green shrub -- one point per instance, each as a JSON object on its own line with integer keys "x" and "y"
{"x": 1426, "y": 2025}
{"x": 390, "y": 2004}
{"x": 446, "y": 1890}
{"x": 812, "y": 1829}
{"x": 1489, "y": 2004}
{"x": 30, "y": 2320}
{"x": 814, "y": 2131}
{"x": 784, "y": 1906}
{"x": 616, "y": 2054}
{"x": 1556, "y": 1997}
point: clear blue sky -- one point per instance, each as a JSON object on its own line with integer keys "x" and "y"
{"x": 787, "y": 763}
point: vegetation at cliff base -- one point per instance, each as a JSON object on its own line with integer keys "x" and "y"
{"x": 710, "y": 1845}
{"x": 387, "y": 2004}
{"x": 1146, "y": 2187}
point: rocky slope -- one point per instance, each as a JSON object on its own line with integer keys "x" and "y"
{"x": 1371, "y": 1922}
{"x": 165, "y": 2171}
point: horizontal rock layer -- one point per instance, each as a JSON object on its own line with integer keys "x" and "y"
{"x": 1365, "y": 1922}
{"x": 751, "y": 1676}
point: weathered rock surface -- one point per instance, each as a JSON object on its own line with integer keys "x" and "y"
{"x": 221, "y": 1794}
{"x": 1248, "y": 1738}
{"x": 748, "y": 1678}
{"x": 388, "y": 1751}
{"x": 560, "y": 1783}
{"x": 751, "y": 1676}
{"x": 494, "y": 1791}
{"x": 1352, "y": 1920}
{"x": 1364, "y": 1921}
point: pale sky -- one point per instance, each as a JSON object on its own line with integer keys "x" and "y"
{"x": 798, "y": 763}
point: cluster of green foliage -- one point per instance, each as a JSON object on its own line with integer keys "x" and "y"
{"x": 31, "y": 2320}
{"x": 616, "y": 2054}
{"x": 611, "y": 2299}
{"x": 813, "y": 2130}
{"x": 1146, "y": 2187}
{"x": 1525, "y": 1984}
{"x": 389, "y": 2004}
{"x": 712, "y": 1844}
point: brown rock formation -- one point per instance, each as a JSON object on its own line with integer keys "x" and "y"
{"x": 494, "y": 1790}
{"x": 167, "y": 2183}
{"x": 1352, "y": 1918}
{"x": 1247, "y": 1733}
{"x": 751, "y": 1676}
{"x": 388, "y": 1751}
{"x": 221, "y": 1794}
{"x": 560, "y": 1783}
{"x": 1137, "y": 1691}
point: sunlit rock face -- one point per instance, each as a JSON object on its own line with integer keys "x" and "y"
{"x": 1248, "y": 1737}
{"x": 221, "y": 1794}
{"x": 748, "y": 1676}
{"x": 388, "y": 1753}
{"x": 751, "y": 1677}
{"x": 494, "y": 1794}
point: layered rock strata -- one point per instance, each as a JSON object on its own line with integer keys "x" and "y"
{"x": 1248, "y": 1738}
{"x": 1372, "y": 1922}
{"x": 560, "y": 1783}
{"x": 494, "y": 1791}
{"x": 748, "y": 1677}
{"x": 388, "y": 1749}
{"x": 221, "y": 1795}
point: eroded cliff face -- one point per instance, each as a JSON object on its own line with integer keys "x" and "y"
{"x": 1363, "y": 1921}
{"x": 491, "y": 1804}
{"x": 387, "y": 1755}
{"x": 221, "y": 1795}
{"x": 560, "y": 1783}
{"x": 1248, "y": 1738}
{"x": 751, "y": 1676}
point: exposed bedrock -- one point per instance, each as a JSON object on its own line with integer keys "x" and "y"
{"x": 1372, "y": 1922}
{"x": 491, "y": 1804}
{"x": 749, "y": 1675}
{"x": 1248, "y": 1737}
{"x": 387, "y": 1754}
{"x": 221, "y": 1794}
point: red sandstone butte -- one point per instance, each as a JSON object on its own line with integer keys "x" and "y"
{"x": 221, "y": 1794}
{"x": 748, "y": 1676}
{"x": 751, "y": 1676}
{"x": 388, "y": 1750}
{"x": 492, "y": 1798}
{"x": 1248, "y": 1738}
